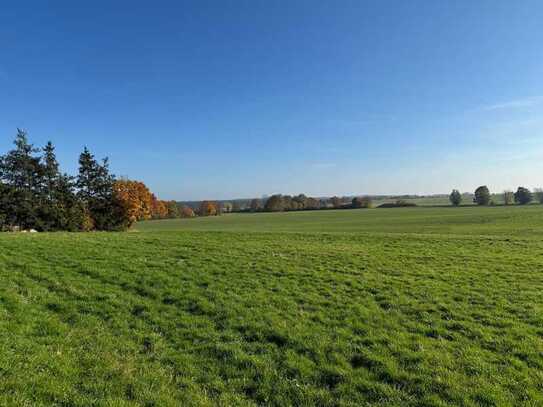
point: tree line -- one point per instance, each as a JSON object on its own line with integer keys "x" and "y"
{"x": 36, "y": 195}
{"x": 483, "y": 197}
{"x": 301, "y": 202}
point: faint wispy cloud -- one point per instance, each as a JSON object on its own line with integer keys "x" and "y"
{"x": 515, "y": 104}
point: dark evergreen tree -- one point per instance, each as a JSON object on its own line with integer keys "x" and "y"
{"x": 34, "y": 194}
{"x": 62, "y": 209}
{"x": 51, "y": 169}
{"x": 22, "y": 174}
{"x": 8, "y": 207}
{"x": 95, "y": 191}
{"x": 48, "y": 210}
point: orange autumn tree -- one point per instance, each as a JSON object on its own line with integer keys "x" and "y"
{"x": 159, "y": 209}
{"x": 187, "y": 212}
{"x": 139, "y": 203}
{"x": 135, "y": 198}
{"x": 208, "y": 208}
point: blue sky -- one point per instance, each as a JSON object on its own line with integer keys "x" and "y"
{"x": 244, "y": 98}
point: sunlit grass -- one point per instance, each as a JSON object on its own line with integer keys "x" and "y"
{"x": 251, "y": 318}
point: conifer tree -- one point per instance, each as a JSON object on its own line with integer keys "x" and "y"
{"x": 22, "y": 174}
{"x": 95, "y": 190}
{"x": 62, "y": 210}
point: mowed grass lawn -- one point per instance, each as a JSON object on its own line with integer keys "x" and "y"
{"x": 402, "y": 307}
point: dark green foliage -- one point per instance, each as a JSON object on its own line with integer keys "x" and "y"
{"x": 34, "y": 194}
{"x": 455, "y": 197}
{"x": 523, "y": 196}
{"x": 482, "y": 195}
{"x": 60, "y": 209}
{"x": 23, "y": 175}
{"x": 9, "y": 199}
{"x": 95, "y": 191}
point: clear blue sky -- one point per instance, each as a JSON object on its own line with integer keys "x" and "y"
{"x": 243, "y": 98}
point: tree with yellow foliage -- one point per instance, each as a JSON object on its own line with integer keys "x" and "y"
{"x": 208, "y": 208}
{"x": 135, "y": 198}
{"x": 159, "y": 209}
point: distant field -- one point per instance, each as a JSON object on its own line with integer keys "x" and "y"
{"x": 438, "y": 200}
{"x": 513, "y": 220}
{"x": 384, "y": 307}
{"x": 421, "y": 201}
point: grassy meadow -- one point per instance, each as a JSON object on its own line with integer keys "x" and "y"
{"x": 381, "y": 307}
{"x": 517, "y": 221}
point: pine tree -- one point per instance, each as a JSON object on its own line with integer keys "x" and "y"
{"x": 51, "y": 170}
{"x": 23, "y": 175}
{"x": 86, "y": 179}
{"x": 34, "y": 194}
{"x": 61, "y": 209}
{"x": 8, "y": 207}
{"x": 48, "y": 210}
{"x": 95, "y": 190}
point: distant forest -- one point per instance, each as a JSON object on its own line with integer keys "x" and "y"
{"x": 279, "y": 203}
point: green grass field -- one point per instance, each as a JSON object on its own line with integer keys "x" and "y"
{"x": 508, "y": 221}
{"x": 384, "y": 307}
